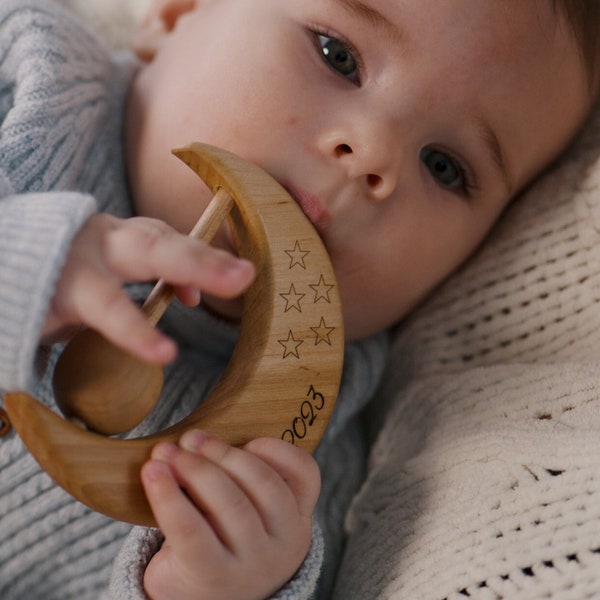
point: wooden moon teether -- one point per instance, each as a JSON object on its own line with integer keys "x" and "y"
{"x": 284, "y": 374}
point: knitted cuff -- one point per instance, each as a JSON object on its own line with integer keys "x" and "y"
{"x": 36, "y": 231}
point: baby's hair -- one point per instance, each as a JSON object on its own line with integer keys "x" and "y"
{"x": 584, "y": 18}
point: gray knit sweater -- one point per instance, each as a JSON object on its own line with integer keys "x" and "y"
{"x": 61, "y": 106}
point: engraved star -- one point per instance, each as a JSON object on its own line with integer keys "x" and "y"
{"x": 297, "y": 256}
{"x": 323, "y": 333}
{"x": 292, "y": 299}
{"x": 290, "y": 345}
{"x": 322, "y": 290}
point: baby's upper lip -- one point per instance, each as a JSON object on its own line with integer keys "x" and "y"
{"x": 311, "y": 206}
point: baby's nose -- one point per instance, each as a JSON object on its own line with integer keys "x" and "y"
{"x": 372, "y": 162}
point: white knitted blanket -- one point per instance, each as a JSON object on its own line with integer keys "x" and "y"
{"x": 484, "y": 480}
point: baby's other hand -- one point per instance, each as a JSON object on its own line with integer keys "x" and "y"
{"x": 108, "y": 252}
{"x": 237, "y": 521}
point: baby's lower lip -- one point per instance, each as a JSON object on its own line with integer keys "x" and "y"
{"x": 311, "y": 206}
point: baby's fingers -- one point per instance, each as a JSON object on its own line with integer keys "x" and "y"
{"x": 108, "y": 252}
{"x": 223, "y": 503}
{"x": 296, "y": 467}
{"x": 144, "y": 249}
{"x": 110, "y": 311}
{"x": 281, "y": 488}
{"x": 177, "y": 516}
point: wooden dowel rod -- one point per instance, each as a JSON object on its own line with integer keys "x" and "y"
{"x": 205, "y": 229}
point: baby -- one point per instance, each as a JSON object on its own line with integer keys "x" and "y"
{"x": 402, "y": 129}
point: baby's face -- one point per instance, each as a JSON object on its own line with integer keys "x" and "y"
{"x": 401, "y": 127}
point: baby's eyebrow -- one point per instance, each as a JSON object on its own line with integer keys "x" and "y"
{"x": 490, "y": 139}
{"x": 373, "y": 16}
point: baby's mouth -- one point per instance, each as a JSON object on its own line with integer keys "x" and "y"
{"x": 311, "y": 206}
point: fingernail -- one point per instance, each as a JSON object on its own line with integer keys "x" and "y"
{"x": 193, "y": 440}
{"x": 165, "y": 451}
{"x": 165, "y": 350}
{"x": 241, "y": 264}
{"x": 154, "y": 470}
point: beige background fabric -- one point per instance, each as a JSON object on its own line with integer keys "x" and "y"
{"x": 114, "y": 20}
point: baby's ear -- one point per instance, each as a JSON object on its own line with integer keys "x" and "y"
{"x": 160, "y": 19}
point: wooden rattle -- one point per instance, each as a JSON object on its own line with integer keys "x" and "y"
{"x": 284, "y": 374}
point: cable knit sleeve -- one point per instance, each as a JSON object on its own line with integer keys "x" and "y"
{"x": 143, "y": 543}
{"x": 35, "y": 233}
{"x": 52, "y": 92}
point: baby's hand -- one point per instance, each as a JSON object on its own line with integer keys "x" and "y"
{"x": 237, "y": 521}
{"x": 107, "y": 252}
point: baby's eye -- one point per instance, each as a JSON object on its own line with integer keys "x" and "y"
{"x": 339, "y": 56}
{"x": 445, "y": 169}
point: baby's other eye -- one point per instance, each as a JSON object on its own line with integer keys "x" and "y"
{"x": 446, "y": 170}
{"x": 339, "y": 56}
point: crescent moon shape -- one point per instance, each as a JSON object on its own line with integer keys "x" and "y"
{"x": 284, "y": 374}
